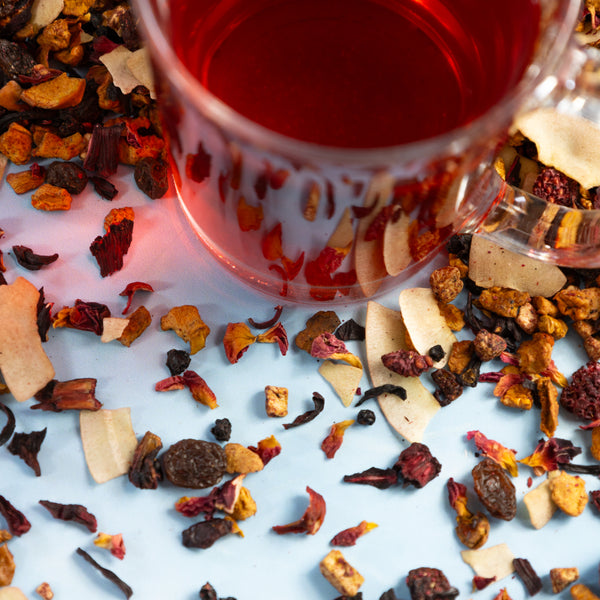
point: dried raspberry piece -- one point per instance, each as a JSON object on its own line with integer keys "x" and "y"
{"x": 417, "y": 465}
{"x": 407, "y": 363}
{"x": 555, "y": 187}
{"x": 582, "y": 395}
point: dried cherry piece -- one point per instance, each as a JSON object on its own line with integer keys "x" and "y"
{"x": 495, "y": 489}
{"x": 365, "y": 417}
{"x": 417, "y": 466}
{"x": 194, "y": 463}
{"x": 429, "y": 584}
{"x": 67, "y": 175}
{"x": 205, "y": 533}
{"x": 152, "y": 177}
{"x": 178, "y": 361}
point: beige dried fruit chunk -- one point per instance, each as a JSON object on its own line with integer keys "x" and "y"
{"x": 25, "y": 367}
{"x": 570, "y": 144}
{"x": 43, "y": 12}
{"x": 568, "y": 493}
{"x": 12, "y": 593}
{"x": 188, "y": 325}
{"x": 343, "y": 235}
{"x": 491, "y": 265}
{"x": 344, "y": 379}
{"x": 276, "y": 401}
{"x": 108, "y": 441}
{"x": 495, "y": 561}
{"x": 140, "y": 67}
{"x": 385, "y": 332}
{"x": 396, "y": 248}
{"x": 539, "y": 503}
{"x": 340, "y": 574}
{"x": 425, "y": 323}
{"x": 61, "y": 92}
{"x": 241, "y": 459}
{"x": 112, "y": 328}
{"x": 116, "y": 63}
{"x": 563, "y": 577}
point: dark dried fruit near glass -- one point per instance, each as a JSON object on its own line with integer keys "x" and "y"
{"x": 194, "y": 463}
{"x": 222, "y": 430}
{"x": 71, "y": 512}
{"x": 365, "y": 417}
{"x": 495, "y": 489}
{"x": 68, "y": 175}
{"x": 109, "y": 249}
{"x": 205, "y": 533}
{"x": 429, "y": 584}
{"x": 152, "y": 177}
{"x": 417, "y": 466}
{"x": 27, "y": 447}
{"x": 178, "y": 361}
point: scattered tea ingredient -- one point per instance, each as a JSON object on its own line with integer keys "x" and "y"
{"x": 429, "y": 584}
{"x": 71, "y": 512}
{"x": 16, "y": 521}
{"x": 562, "y": 577}
{"x": 113, "y": 543}
{"x": 340, "y": 574}
{"x": 7, "y": 566}
{"x": 27, "y": 447}
{"x": 127, "y": 591}
{"x": 205, "y": 533}
{"x": 348, "y": 537}
{"x": 528, "y": 576}
{"x": 311, "y": 520}
{"x": 145, "y": 471}
{"x": 9, "y": 427}
{"x": 45, "y": 591}
{"x": 194, "y": 463}
{"x": 276, "y": 401}
{"x": 222, "y": 430}
{"x": 472, "y": 529}
{"x": 31, "y": 261}
{"x": 568, "y": 493}
{"x": 495, "y": 489}
{"x": 309, "y": 415}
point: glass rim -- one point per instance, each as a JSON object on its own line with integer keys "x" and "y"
{"x": 551, "y": 48}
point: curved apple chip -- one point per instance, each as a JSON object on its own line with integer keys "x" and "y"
{"x": 396, "y": 249}
{"x": 495, "y": 561}
{"x": 385, "y": 332}
{"x": 344, "y": 379}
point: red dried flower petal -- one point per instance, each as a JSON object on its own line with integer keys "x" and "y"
{"x": 131, "y": 289}
{"x": 169, "y": 384}
{"x": 311, "y": 520}
{"x": 271, "y": 243}
{"x": 277, "y": 334}
{"x": 238, "y": 338}
{"x": 102, "y": 155}
{"x": 16, "y": 521}
{"x": 199, "y": 388}
{"x": 480, "y": 583}
{"x": 110, "y": 249}
{"x": 333, "y": 442}
{"x": 551, "y": 453}
{"x": 249, "y": 217}
{"x": 197, "y": 166}
{"x": 496, "y": 451}
{"x": 348, "y": 537}
{"x": 267, "y": 449}
{"x": 71, "y": 512}
{"x": 88, "y": 316}
{"x": 292, "y": 268}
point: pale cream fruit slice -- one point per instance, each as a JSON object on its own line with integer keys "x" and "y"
{"x": 108, "y": 441}
{"x": 396, "y": 249}
{"x": 344, "y": 379}
{"x": 44, "y": 12}
{"x": 343, "y": 235}
{"x": 568, "y": 143}
{"x": 116, "y": 61}
{"x": 23, "y": 362}
{"x": 140, "y": 67}
{"x": 368, "y": 255}
{"x": 539, "y": 503}
{"x": 113, "y": 328}
{"x": 425, "y": 323}
{"x": 491, "y": 265}
{"x": 11, "y": 593}
{"x": 385, "y": 332}
{"x": 495, "y": 561}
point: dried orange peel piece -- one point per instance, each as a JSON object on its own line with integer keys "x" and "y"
{"x": 188, "y": 325}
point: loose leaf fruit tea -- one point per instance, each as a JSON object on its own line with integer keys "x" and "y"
{"x": 356, "y": 73}
{"x": 344, "y": 74}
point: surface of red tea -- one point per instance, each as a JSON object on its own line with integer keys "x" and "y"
{"x": 356, "y": 73}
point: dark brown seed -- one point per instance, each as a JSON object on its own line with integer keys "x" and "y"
{"x": 194, "y": 463}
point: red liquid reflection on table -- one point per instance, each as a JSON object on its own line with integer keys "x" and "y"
{"x": 342, "y": 73}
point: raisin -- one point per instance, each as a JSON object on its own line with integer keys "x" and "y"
{"x": 365, "y": 417}
{"x": 152, "y": 177}
{"x": 222, "y": 430}
{"x": 495, "y": 489}
{"x": 178, "y": 361}
{"x": 67, "y": 175}
{"x": 194, "y": 463}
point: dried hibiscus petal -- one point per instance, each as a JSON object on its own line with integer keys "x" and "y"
{"x": 350, "y": 330}
{"x": 267, "y": 449}
{"x": 379, "y": 478}
{"x": 28, "y": 259}
{"x": 85, "y": 316}
{"x": 71, "y": 512}
{"x": 106, "y": 573}
{"x": 110, "y": 249}
{"x": 113, "y": 543}
{"x": 528, "y": 576}
{"x": 145, "y": 471}
{"x": 417, "y": 466}
{"x": 197, "y": 166}
{"x": 388, "y": 388}
{"x": 238, "y": 338}
{"x": 102, "y": 155}
{"x": 309, "y": 415}
{"x": 131, "y": 289}
{"x": 496, "y": 451}
{"x": 44, "y": 319}
{"x": 16, "y": 521}
{"x": 76, "y": 394}
{"x": 27, "y": 447}
{"x": 348, "y": 537}
{"x": 9, "y": 428}
{"x": 332, "y": 443}
{"x": 268, "y": 323}
{"x": 480, "y": 583}
{"x": 311, "y": 520}
{"x": 550, "y": 454}
{"x": 205, "y": 533}
{"x": 223, "y": 498}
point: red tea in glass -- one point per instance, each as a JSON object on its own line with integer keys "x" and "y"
{"x": 327, "y": 151}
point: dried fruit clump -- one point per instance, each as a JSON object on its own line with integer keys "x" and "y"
{"x": 555, "y": 187}
{"x": 429, "y": 584}
{"x": 417, "y": 465}
{"x": 582, "y": 395}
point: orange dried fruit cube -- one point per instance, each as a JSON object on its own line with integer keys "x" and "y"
{"x": 55, "y": 36}
{"x": 51, "y": 197}
{"x": 77, "y": 8}
{"x": 276, "y": 401}
{"x": 245, "y": 506}
{"x": 54, "y": 146}
{"x": 16, "y": 143}
{"x": 340, "y": 574}
{"x": 61, "y": 92}
{"x": 10, "y": 96}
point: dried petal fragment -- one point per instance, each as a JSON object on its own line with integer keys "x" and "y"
{"x": 199, "y": 388}
{"x": 110, "y": 249}
{"x": 348, "y": 537}
{"x": 249, "y": 217}
{"x": 382, "y": 479}
{"x": 127, "y": 591}
{"x": 16, "y": 521}
{"x": 320, "y": 322}
{"x": 71, "y": 512}
{"x": 85, "y": 316}
{"x": 75, "y": 394}
{"x": 27, "y": 447}
{"x": 102, "y": 154}
{"x": 113, "y": 543}
{"x": 188, "y": 325}
{"x": 496, "y": 451}
{"x": 267, "y": 449}
{"x": 28, "y": 259}
{"x": 238, "y": 338}
{"x": 277, "y": 334}
{"x": 333, "y": 442}
{"x": 311, "y": 520}
{"x": 309, "y": 415}
{"x": 327, "y": 345}
{"x": 550, "y": 454}
{"x": 131, "y": 289}
{"x": 270, "y": 322}
{"x": 7, "y": 566}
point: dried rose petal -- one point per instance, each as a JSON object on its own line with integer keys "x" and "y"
{"x": 292, "y": 268}
{"x": 332, "y": 443}
{"x": 170, "y": 384}
{"x": 496, "y": 451}
{"x": 110, "y": 249}
{"x": 113, "y": 543}
{"x": 222, "y": 497}
{"x": 238, "y": 338}
{"x": 551, "y": 453}
{"x": 71, "y": 512}
{"x": 88, "y": 316}
{"x": 267, "y": 449}
{"x": 311, "y": 520}
{"x": 379, "y": 478}
{"x": 199, "y": 388}
{"x": 309, "y": 415}
{"x": 348, "y": 537}
{"x": 27, "y": 447}
{"x": 27, "y": 258}
{"x": 328, "y": 346}
{"x": 131, "y": 289}
{"x": 277, "y": 334}
{"x": 16, "y": 521}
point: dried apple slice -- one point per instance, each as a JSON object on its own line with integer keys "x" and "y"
{"x": 425, "y": 323}
{"x": 368, "y": 255}
{"x": 43, "y": 12}
{"x": 491, "y": 265}
{"x": 396, "y": 249}
{"x": 343, "y": 235}
{"x": 113, "y": 328}
{"x": 385, "y": 332}
{"x": 12, "y": 593}
{"x": 108, "y": 441}
{"x": 570, "y": 144}
{"x": 140, "y": 67}
{"x": 344, "y": 379}
{"x": 24, "y": 365}
{"x": 116, "y": 63}
{"x": 539, "y": 503}
{"x": 495, "y": 561}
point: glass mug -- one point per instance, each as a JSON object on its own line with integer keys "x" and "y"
{"x": 325, "y": 150}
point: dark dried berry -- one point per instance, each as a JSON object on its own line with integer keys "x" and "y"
{"x": 178, "y": 361}
{"x": 495, "y": 489}
{"x": 436, "y": 353}
{"x": 365, "y": 417}
{"x": 14, "y": 60}
{"x": 417, "y": 466}
{"x": 67, "y": 175}
{"x": 449, "y": 388}
{"x": 582, "y": 395}
{"x": 152, "y": 177}
{"x": 222, "y": 430}
{"x": 555, "y": 187}
{"x": 207, "y": 592}
{"x": 194, "y": 463}
{"x": 205, "y": 533}
{"x": 429, "y": 584}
